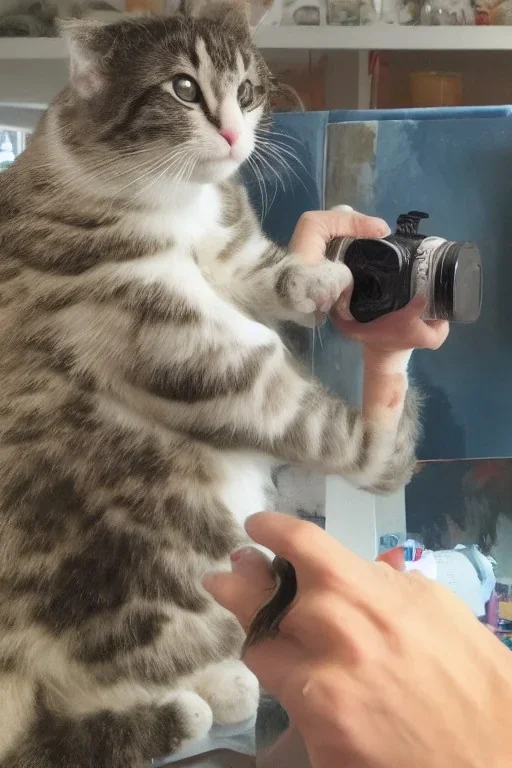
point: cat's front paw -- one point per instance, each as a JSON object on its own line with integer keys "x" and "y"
{"x": 231, "y": 690}
{"x": 310, "y": 288}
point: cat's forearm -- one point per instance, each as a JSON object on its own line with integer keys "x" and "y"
{"x": 262, "y": 283}
{"x": 296, "y": 420}
{"x": 385, "y": 384}
{"x": 387, "y": 401}
{"x": 271, "y": 284}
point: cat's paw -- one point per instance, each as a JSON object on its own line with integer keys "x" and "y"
{"x": 313, "y": 288}
{"x": 231, "y": 690}
{"x": 193, "y": 713}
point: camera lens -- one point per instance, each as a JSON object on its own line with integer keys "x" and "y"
{"x": 379, "y": 277}
{"x": 457, "y": 288}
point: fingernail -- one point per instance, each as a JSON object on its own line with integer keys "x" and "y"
{"x": 239, "y": 554}
{"x": 342, "y": 208}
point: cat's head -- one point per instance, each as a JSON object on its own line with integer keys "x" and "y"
{"x": 179, "y": 97}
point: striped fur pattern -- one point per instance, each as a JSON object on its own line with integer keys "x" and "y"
{"x": 146, "y": 394}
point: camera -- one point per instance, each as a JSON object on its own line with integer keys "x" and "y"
{"x": 388, "y": 273}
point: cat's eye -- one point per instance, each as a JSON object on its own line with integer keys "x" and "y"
{"x": 246, "y": 93}
{"x": 186, "y": 89}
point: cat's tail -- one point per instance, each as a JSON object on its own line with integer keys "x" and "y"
{"x": 108, "y": 738}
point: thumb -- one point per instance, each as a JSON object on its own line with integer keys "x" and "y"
{"x": 315, "y": 228}
{"x": 244, "y": 591}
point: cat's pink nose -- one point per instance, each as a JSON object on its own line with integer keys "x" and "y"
{"x": 229, "y": 136}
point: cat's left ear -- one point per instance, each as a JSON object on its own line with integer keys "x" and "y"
{"x": 217, "y": 9}
{"x": 88, "y": 44}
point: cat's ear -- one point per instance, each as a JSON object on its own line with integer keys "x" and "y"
{"x": 217, "y": 9}
{"x": 87, "y": 45}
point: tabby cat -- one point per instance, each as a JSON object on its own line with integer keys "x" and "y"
{"x": 146, "y": 393}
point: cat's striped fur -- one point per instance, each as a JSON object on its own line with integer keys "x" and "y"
{"x": 145, "y": 394}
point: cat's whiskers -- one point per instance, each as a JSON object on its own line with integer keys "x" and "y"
{"x": 154, "y": 167}
{"x": 284, "y": 148}
{"x": 93, "y": 175}
{"x": 273, "y": 154}
{"x": 268, "y": 165}
{"x": 259, "y": 155}
{"x": 261, "y": 186}
{"x": 188, "y": 160}
{"x": 269, "y": 133}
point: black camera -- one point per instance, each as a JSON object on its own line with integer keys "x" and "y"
{"x": 389, "y": 272}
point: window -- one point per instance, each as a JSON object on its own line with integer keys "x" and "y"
{"x": 12, "y": 144}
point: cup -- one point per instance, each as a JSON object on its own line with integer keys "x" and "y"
{"x": 435, "y": 89}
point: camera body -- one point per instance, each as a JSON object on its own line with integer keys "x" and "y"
{"x": 389, "y": 272}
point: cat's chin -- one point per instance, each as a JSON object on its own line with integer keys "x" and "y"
{"x": 213, "y": 171}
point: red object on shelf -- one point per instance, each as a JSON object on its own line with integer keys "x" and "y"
{"x": 482, "y": 18}
{"x": 378, "y": 69}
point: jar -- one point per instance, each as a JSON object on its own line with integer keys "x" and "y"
{"x": 343, "y": 12}
{"x": 311, "y": 13}
{"x": 447, "y": 12}
{"x": 406, "y": 12}
{"x": 435, "y": 89}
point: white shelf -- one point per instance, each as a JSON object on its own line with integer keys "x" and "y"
{"x": 383, "y": 37}
{"x": 367, "y": 38}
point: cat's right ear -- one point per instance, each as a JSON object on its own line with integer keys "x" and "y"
{"x": 83, "y": 40}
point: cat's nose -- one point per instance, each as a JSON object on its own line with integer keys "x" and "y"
{"x": 229, "y": 136}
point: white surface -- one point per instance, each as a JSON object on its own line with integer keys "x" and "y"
{"x": 222, "y": 759}
{"x": 357, "y": 519}
{"x": 229, "y": 746}
{"x": 366, "y": 38}
{"x": 350, "y": 516}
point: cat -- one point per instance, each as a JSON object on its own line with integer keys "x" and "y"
{"x": 146, "y": 392}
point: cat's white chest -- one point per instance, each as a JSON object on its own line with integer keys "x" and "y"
{"x": 245, "y": 485}
{"x": 192, "y": 227}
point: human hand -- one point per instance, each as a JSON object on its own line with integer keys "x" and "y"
{"x": 315, "y": 228}
{"x": 389, "y": 340}
{"x": 376, "y": 668}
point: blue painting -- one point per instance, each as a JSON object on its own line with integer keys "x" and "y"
{"x": 457, "y": 166}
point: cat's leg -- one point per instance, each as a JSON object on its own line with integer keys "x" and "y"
{"x": 231, "y": 383}
{"x": 224, "y": 379}
{"x": 277, "y": 284}
{"x": 231, "y": 690}
{"x": 114, "y": 737}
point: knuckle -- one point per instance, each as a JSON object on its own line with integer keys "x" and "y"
{"x": 309, "y": 218}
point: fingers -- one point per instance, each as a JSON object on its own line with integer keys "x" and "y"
{"x": 315, "y": 228}
{"x": 247, "y": 588}
{"x": 305, "y": 545}
{"x": 403, "y": 329}
{"x": 340, "y": 223}
{"x": 436, "y": 332}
